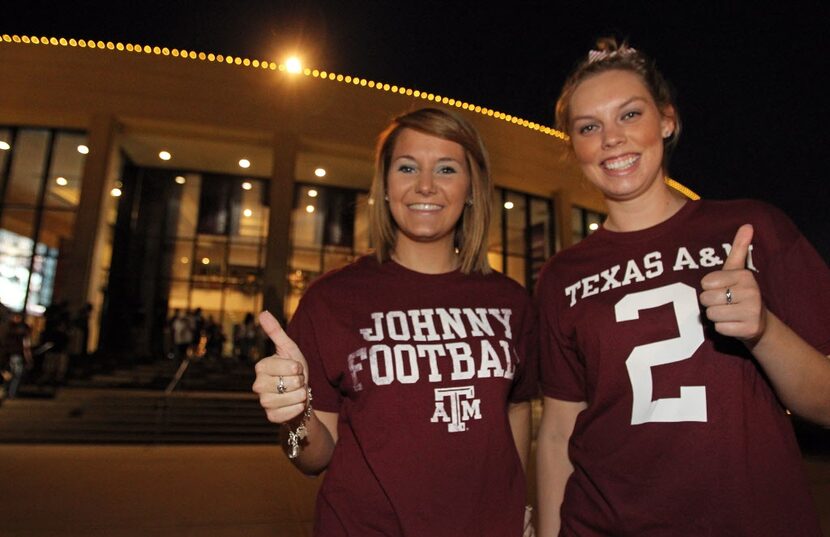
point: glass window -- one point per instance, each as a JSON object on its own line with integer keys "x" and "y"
{"x": 329, "y": 228}
{"x": 15, "y": 259}
{"x": 361, "y": 224}
{"x": 209, "y": 262}
{"x": 180, "y": 259}
{"x": 540, "y": 237}
{"x": 521, "y": 235}
{"x": 19, "y": 221}
{"x": 245, "y": 262}
{"x": 253, "y": 209}
{"x": 42, "y": 280}
{"x": 307, "y": 220}
{"x": 63, "y": 182}
{"x": 516, "y": 268}
{"x": 584, "y": 222}
{"x": 5, "y": 150}
{"x": 219, "y": 200}
{"x": 26, "y": 175}
{"x": 56, "y": 227}
{"x": 516, "y": 217}
{"x": 495, "y": 254}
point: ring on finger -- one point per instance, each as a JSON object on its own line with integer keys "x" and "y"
{"x": 728, "y": 296}
{"x": 280, "y": 385}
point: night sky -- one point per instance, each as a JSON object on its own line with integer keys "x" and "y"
{"x": 746, "y": 74}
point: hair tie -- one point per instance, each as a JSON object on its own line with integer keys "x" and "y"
{"x": 599, "y": 55}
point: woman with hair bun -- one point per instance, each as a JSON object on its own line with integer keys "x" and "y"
{"x": 674, "y": 338}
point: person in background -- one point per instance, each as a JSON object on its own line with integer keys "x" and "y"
{"x": 420, "y": 357}
{"x": 17, "y": 345}
{"x": 182, "y": 328}
{"x": 674, "y": 338}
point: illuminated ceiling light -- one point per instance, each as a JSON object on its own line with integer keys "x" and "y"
{"x": 312, "y": 193}
{"x": 185, "y": 261}
{"x": 206, "y": 261}
{"x": 82, "y": 149}
{"x": 165, "y": 155}
{"x": 180, "y": 179}
{"x": 115, "y": 192}
{"x": 247, "y": 185}
{"x": 247, "y": 213}
{"x": 5, "y": 146}
{"x": 320, "y": 172}
{"x": 294, "y": 65}
{"x": 508, "y": 205}
{"x": 594, "y": 226}
{"x": 61, "y": 181}
{"x": 309, "y": 208}
{"x": 244, "y": 163}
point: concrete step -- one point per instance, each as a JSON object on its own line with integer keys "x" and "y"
{"x": 132, "y": 416}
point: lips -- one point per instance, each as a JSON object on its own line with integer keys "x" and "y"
{"x": 621, "y": 163}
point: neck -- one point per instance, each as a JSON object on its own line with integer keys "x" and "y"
{"x": 435, "y": 257}
{"x": 647, "y": 210}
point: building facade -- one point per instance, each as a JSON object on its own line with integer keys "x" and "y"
{"x": 144, "y": 180}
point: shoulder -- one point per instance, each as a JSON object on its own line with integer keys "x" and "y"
{"x": 569, "y": 258}
{"x": 749, "y": 210}
{"x": 362, "y": 268}
{"x": 497, "y": 284}
{"x": 771, "y": 224}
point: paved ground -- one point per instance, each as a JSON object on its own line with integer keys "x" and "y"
{"x": 181, "y": 491}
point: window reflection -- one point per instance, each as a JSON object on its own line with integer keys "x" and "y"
{"x": 40, "y": 176}
{"x": 521, "y": 235}
{"x": 329, "y": 229}
{"x": 584, "y": 222}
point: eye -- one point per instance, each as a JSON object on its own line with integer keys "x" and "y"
{"x": 446, "y": 170}
{"x": 585, "y": 130}
{"x": 631, "y": 114}
{"x": 405, "y": 168}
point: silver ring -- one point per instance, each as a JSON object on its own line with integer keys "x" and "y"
{"x": 728, "y": 296}
{"x": 280, "y": 385}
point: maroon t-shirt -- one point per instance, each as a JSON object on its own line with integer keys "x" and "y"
{"x": 420, "y": 369}
{"x": 683, "y": 435}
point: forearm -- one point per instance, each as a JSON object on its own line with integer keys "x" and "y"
{"x": 799, "y": 373}
{"x": 553, "y": 469}
{"x": 315, "y": 449}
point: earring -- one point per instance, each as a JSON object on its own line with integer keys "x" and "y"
{"x": 386, "y": 199}
{"x": 468, "y": 202}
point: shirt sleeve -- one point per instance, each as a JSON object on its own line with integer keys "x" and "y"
{"x": 797, "y": 285}
{"x": 526, "y": 384}
{"x": 561, "y": 369}
{"x": 302, "y": 330}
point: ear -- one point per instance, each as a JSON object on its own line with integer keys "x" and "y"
{"x": 667, "y": 122}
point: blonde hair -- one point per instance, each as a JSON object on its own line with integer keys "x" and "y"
{"x": 610, "y": 56}
{"x": 471, "y": 229}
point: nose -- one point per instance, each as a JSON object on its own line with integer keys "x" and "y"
{"x": 425, "y": 184}
{"x": 612, "y": 136}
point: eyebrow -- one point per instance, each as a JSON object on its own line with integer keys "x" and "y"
{"x": 442, "y": 159}
{"x": 623, "y": 105}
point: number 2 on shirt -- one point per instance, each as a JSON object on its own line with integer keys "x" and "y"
{"x": 691, "y": 405}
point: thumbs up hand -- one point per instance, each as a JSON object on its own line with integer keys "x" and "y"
{"x": 731, "y": 295}
{"x": 281, "y": 379}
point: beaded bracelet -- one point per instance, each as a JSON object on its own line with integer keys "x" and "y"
{"x": 301, "y": 431}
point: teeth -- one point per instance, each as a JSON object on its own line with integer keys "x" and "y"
{"x": 424, "y": 206}
{"x": 621, "y": 164}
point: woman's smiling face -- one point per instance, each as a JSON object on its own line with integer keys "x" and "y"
{"x": 617, "y": 133}
{"x": 427, "y": 185}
